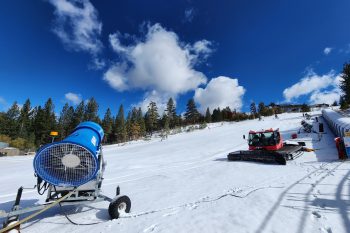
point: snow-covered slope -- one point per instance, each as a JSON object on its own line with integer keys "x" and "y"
{"x": 186, "y": 184}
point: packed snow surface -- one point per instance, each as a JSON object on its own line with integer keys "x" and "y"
{"x": 186, "y": 184}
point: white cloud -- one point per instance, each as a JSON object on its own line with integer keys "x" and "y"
{"x": 202, "y": 46}
{"x": 160, "y": 100}
{"x": 77, "y": 25}
{"x": 200, "y": 51}
{"x": 160, "y": 63}
{"x": 327, "y": 50}
{"x": 337, "y": 80}
{"x": 3, "y": 103}
{"x": 310, "y": 83}
{"x": 326, "y": 97}
{"x": 73, "y": 98}
{"x": 189, "y": 14}
{"x": 116, "y": 45}
{"x": 220, "y": 92}
{"x": 321, "y": 88}
{"x": 115, "y": 77}
{"x": 97, "y": 64}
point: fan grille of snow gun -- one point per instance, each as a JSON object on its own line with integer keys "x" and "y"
{"x": 73, "y": 161}
{"x": 66, "y": 164}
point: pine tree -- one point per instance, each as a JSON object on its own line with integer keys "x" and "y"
{"x": 343, "y": 104}
{"x": 335, "y": 103}
{"x": 305, "y": 108}
{"x": 70, "y": 117}
{"x": 262, "y": 109}
{"x": 128, "y": 127}
{"x": 121, "y": 133}
{"x": 134, "y": 127}
{"x": 44, "y": 121}
{"x": 107, "y": 124}
{"x": 191, "y": 115}
{"x": 2, "y": 124}
{"x": 253, "y": 109}
{"x": 49, "y": 121}
{"x": 217, "y": 115}
{"x": 141, "y": 123}
{"x": 91, "y": 111}
{"x": 39, "y": 126}
{"x": 166, "y": 124}
{"x": 226, "y": 114}
{"x": 65, "y": 121}
{"x": 49, "y": 109}
{"x": 11, "y": 125}
{"x": 171, "y": 113}
{"x": 152, "y": 117}
{"x": 113, "y": 136}
{"x": 166, "y": 127}
{"x": 207, "y": 116}
{"x": 345, "y": 82}
{"x": 25, "y": 120}
{"x": 78, "y": 116}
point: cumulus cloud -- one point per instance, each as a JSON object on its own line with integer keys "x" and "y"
{"x": 326, "y": 97}
{"x": 73, "y": 98}
{"x": 160, "y": 63}
{"x": 189, "y": 14}
{"x": 115, "y": 77}
{"x": 160, "y": 99}
{"x": 220, "y": 92}
{"x": 321, "y": 88}
{"x": 77, "y": 25}
{"x": 310, "y": 83}
{"x": 200, "y": 51}
{"x": 327, "y": 50}
{"x": 97, "y": 63}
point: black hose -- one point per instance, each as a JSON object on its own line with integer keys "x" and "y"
{"x": 41, "y": 188}
{"x": 71, "y": 221}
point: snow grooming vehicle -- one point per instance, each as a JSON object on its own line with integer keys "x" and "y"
{"x": 72, "y": 172}
{"x": 267, "y": 146}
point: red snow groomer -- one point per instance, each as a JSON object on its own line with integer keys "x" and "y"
{"x": 268, "y": 146}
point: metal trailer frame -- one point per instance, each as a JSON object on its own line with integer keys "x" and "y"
{"x": 84, "y": 194}
{"x": 78, "y": 200}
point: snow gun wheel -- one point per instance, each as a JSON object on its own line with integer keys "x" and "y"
{"x": 118, "y": 206}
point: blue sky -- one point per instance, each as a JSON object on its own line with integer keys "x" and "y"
{"x": 222, "y": 53}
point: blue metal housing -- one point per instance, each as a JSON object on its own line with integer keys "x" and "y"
{"x": 73, "y": 161}
{"x": 87, "y": 134}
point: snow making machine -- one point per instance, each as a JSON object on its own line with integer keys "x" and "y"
{"x": 268, "y": 146}
{"x": 71, "y": 171}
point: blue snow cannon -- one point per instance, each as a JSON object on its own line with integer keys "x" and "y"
{"x": 73, "y": 161}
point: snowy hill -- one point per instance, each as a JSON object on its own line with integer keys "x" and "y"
{"x": 186, "y": 184}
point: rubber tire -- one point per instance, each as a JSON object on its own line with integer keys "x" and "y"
{"x": 113, "y": 206}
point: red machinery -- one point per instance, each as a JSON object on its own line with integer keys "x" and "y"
{"x": 267, "y": 146}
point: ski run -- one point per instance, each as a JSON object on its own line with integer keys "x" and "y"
{"x": 186, "y": 184}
